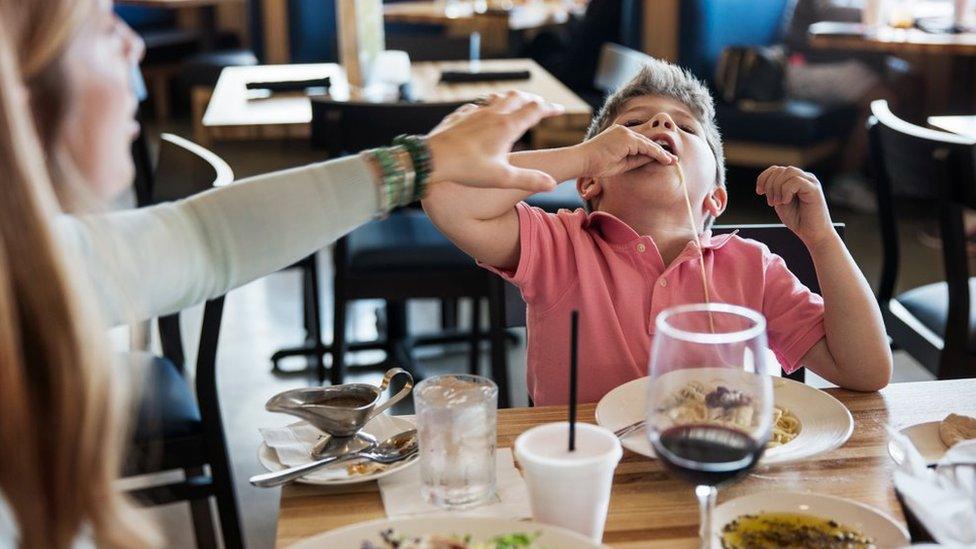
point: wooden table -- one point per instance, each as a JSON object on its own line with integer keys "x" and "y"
{"x": 962, "y": 125}
{"x": 651, "y": 508}
{"x": 230, "y": 114}
{"x": 895, "y": 41}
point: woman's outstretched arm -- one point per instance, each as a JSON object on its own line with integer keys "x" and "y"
{"x": 161, "y": 259}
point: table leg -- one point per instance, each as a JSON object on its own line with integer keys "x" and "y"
{"x": 275, "y": 23}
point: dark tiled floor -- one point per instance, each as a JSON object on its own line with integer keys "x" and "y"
{"x": 265, "y": 315}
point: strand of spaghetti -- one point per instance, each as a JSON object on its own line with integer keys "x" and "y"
{"x": 694, "y": 230}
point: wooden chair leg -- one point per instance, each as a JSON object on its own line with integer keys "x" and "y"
{"x": 499, "y": 346}
{"x": 199, "y": 98}
{"x": 201, "y": 514}
{"x": 475, "y": 341}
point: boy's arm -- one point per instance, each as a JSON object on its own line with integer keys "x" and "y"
{"x": 855, "y": 353}
{"x": 484, "y": 222}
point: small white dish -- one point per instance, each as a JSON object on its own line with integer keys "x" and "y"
{"x": 884, "y": 530}
{"x": 825, "y": 424}
{"x": 381, "y": 427}
{"x": 479, "y": 528}
{"x": 925, "y": 437}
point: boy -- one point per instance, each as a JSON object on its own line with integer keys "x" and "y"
{"x": 635, "y": 253}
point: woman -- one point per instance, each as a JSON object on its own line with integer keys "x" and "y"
{"x": 66, "y": 120}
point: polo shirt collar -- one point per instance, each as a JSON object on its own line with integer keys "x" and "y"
{"x": 616, "y": 232}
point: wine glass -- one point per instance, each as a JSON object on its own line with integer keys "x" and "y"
{"x": 710, "y": 396}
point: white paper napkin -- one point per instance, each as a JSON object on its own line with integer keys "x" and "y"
{"x": 944, "y": 503}
{"x": 293, "y": 444}
{"x": 401, "y": 493}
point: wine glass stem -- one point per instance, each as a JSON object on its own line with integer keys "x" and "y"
{"x": 706, "y": 504}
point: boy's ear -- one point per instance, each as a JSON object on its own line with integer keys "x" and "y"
{"x": 716, "y": 201}
{"x": 588, "y": 188}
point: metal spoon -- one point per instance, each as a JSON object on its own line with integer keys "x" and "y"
{"x": 399, "y": 446}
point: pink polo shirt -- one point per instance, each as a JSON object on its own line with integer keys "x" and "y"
{"x": 617, "y": 280}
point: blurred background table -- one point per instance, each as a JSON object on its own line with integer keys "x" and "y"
{"x": 826, "y": 35}
{"x": 650, "y": 507}
{"x": 502, "y": 25}
{"x": 957, "y": 50}
{"x": 233, "y": 114}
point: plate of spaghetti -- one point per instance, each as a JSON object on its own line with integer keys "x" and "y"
{"x": 806, "y": 421}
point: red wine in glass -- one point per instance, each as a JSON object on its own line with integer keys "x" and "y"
{"x": 706, "y": 454}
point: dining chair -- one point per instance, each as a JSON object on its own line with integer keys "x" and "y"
{"x": 403, "y": 256}
{"x": 934, "y": 322}
{"x": 778, "y": 238}
{"x": 616, "y": 66}
{"x": 179, "y": 425}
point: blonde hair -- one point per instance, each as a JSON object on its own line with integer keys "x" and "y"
{"x": 60, "y": 404}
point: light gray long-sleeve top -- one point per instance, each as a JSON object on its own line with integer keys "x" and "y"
{"x": 153, "y": 261}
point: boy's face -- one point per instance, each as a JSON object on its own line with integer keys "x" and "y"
{"x": 653, "y": 185}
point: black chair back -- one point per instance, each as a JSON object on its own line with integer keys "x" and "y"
{"x": 930, "y": 163}
{"x": 342, "y": 127}
{"x": 941, "y": 165}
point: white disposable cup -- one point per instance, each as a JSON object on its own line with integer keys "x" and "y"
{"x": 569, "y": 489}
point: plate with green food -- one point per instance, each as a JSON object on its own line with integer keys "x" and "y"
{"x": 439, "y": 531}
{"x": 798, "y": 519}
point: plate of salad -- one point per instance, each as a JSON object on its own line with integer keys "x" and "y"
{"x": 448, "y": 532}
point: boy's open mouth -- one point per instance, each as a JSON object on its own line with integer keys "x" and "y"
{"x": 666, "y": 142}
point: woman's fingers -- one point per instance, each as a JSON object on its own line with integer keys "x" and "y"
{"x": 532, "y": 111}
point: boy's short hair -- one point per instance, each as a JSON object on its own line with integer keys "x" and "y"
{"x": 663, "y": 79}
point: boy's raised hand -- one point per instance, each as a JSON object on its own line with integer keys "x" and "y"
{"x": 799, "y": 202}
{"x": 616, "y": 150}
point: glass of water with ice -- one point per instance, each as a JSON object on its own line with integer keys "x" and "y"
{"x": 456, "y": 423}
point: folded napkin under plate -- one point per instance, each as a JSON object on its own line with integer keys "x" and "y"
{"x": 292, "y": 445}
{"x": 943, "y": 500}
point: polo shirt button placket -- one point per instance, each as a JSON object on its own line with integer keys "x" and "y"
{"x": 664, "y": 283}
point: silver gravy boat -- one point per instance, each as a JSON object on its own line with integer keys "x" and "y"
{"x": 340, "y": 410}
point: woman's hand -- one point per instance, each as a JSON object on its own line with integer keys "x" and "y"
{"x": 471, "y": 145}
{"x": 799, "y": 202}
{"x": 616, "y": 150}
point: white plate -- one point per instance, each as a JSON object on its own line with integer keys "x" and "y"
{"x": 925, "y": 437}
{"x": 825, "y": 424}
{"x": 884, "y": 530}
{"x": 480, "y": 528}
{"x": 381, "y": 427}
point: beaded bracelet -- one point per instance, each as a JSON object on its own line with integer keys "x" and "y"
{"x": 416, "y": 145}
{"x": 393, "y": 169}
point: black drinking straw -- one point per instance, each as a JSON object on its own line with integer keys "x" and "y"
{"x": 574, "y": 338}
